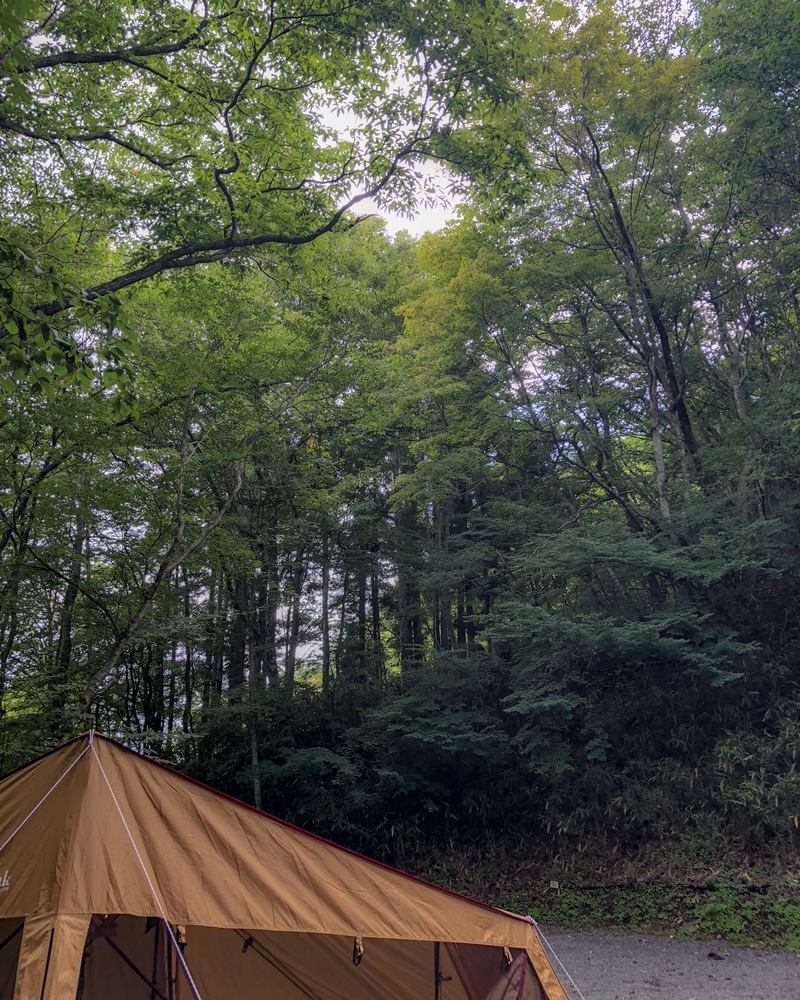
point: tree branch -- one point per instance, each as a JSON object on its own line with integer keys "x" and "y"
{"x": 211, "y": 251}
{"x": 6, "y": 123}
{"x": 102, "y": 58}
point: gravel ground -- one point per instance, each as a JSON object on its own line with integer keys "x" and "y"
{"x": 607, "y": 965}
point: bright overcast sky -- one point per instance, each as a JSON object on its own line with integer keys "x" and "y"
{"x": 426, "y": 218}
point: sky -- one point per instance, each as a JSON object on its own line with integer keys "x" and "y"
{"x": 433, "y": 178}
{"x": 426, "y": 218}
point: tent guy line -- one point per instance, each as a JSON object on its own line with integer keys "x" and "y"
{"x": 156, "y": 898}
{"x": 44, "y": 798}
{"x": 552, "y": 950}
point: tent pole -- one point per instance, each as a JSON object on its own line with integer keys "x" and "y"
{"x": 252, "y": 943}
{"x": 437, "y": 975}
{"x": 154, "y": 991}
{"x": 155, "y": 962}
{"x": 170, "y": 993}
{"x": 462, "y": 972}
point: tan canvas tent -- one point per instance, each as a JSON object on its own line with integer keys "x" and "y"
{"x": 121, "y": 879}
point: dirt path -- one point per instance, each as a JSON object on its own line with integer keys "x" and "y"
{"x": 607, "y": 965}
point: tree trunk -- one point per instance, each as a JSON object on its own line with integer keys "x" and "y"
{"x": 337, "y": 656}
{"x": 652, "y": 310}
{"x": 269, "y": 604}
{"x": 378, "y": 665}
{"x": 293, "y": 632}
{"x": 237, "y": 590}
{"x": 60, "y": 682}
{"x": 188, "y": 664}
{"x": 325, "y": 612}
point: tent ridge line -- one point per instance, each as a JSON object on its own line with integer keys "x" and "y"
{"x": 307, "y": 833}
{"x": 48, "y": 753}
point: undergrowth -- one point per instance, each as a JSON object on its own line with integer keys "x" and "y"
{"x": 746, "y": 901}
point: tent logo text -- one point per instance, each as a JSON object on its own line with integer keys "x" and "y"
{"x": 5, "y": 882}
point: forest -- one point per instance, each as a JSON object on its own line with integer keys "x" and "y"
{"x": 485, "y": 540}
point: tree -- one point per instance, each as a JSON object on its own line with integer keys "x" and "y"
{"x": 413, "y": 542}
{"x": 209, "y": 133}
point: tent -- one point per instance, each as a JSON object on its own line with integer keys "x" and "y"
{"x": 121, "y": 879}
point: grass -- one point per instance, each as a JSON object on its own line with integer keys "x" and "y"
{"x": 767, "y": 917}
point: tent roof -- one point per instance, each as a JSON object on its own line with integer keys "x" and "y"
{"x": 96, "y": 828}
{"x": 89, "y": 790}
{"x": 312, "y": 836}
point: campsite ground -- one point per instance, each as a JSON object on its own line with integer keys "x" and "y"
{"x": 609, "y": 965}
